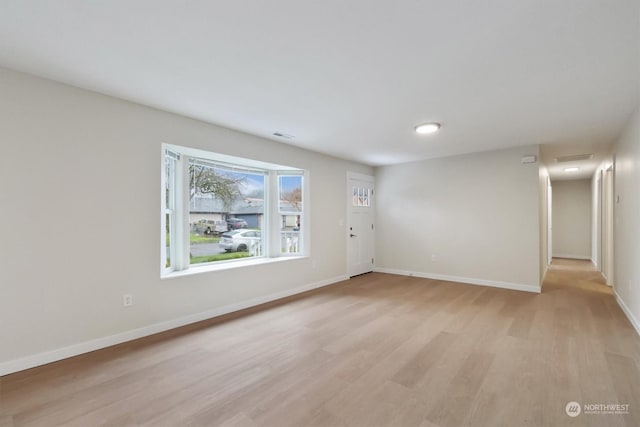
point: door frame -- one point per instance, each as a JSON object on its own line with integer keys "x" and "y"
{"x": 549, "y": 214}
{"x": 599, "y": 222}
{"x": 349, "y": 201}
{"x": 608, "y": 232}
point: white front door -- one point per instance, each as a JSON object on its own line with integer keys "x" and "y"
{"x": 360, "y": 197}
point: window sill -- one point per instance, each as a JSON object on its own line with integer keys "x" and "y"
{"x": 228, "y": 266}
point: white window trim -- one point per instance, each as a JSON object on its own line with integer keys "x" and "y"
{"x": 270, "y": 234}
{"x": 229, "y": 265}
{"x": 302, "y": 214}
{"x": 163, "y": 222}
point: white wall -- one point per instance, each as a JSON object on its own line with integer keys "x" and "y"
{"x": 627, "y": 220}
{"x": 79, "y": 184}
{"x": 627, "y": 217}
{"x": 478, "y": 214}
{"x": 572, "y": 209}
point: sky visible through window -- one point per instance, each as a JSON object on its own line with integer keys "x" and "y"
{"x": 289, "y": 183}
{"x": 250, "y": 185}
{"x": 253, "y": 185}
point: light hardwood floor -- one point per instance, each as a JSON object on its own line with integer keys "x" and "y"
{"x": 376, "y": 350}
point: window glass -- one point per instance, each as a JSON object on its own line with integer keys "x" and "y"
{"x": 225, "y": 204}
{"x": 361, "y": 196}
{"x": 291, "y": 212}
{"x": 167, "y": 257}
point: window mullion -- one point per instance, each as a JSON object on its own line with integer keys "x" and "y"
{"x": 305, "y": 231}
{"x": 163, "y": 217}
{"x": 273, "y": 215}
{"x": 181, "y": 213}
{"x": 168, "y": 212}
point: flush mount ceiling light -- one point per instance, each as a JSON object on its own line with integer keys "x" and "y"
{"x": 570, "y": 170}
{"x": 426, "y": 128}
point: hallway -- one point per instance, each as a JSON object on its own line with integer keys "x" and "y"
{"x": 601, "y": 347}
{"x": 575, "y": 274}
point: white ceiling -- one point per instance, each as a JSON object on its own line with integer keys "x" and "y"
{"x": 351, "y": 78}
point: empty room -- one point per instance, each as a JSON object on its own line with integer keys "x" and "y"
{"x": 292, "y": 213}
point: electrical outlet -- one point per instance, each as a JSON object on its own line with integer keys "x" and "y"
{"x": 434, "y": 258}
{"x": 127, "y": 300}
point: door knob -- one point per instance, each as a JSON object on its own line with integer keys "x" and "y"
{"x": 352, "y": 235}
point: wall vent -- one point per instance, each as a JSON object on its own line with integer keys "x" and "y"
{"x": 283, "y": 135}
{"x": 574, "y": 158}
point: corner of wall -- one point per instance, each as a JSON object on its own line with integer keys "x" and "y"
{"x": 543, "y": 179}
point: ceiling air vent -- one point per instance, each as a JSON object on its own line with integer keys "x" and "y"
{"x": 283, "y": 135}
{"x": 574, "y": 158}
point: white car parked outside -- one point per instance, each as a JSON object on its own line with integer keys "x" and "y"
{"x": 241, "y": 240}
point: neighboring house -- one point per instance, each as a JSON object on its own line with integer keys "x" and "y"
{"x": 206, "y": 207}
{"x": 290, "y": 215}
{"x": 249, "y": 209}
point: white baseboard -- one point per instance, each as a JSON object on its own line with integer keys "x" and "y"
{"x": 32, "y": 361}
{"x": 606, "y": 279}
{"x": 627, "y": 312}
{"x": 572, "y": 256}
{"x": 544, "y": 275}
{"x": 471, "y": 281}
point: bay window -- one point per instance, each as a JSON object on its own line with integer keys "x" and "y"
{"x": 221, "y": 209}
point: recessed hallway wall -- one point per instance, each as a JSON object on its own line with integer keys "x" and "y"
{"x": 572, "y": 219}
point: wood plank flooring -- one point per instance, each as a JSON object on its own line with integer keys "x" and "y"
{"x": 377, "y": 350}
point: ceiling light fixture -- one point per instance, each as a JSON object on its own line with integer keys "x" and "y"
{"x": 570, "y": 170}
{"x": 426, "y": 128}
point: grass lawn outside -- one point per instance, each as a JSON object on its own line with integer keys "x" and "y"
{"x": 196, "y": 238}
{"x": 219, "y": 257}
